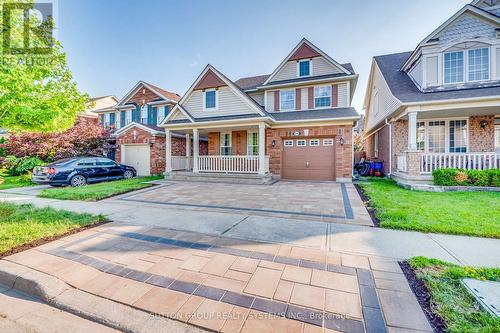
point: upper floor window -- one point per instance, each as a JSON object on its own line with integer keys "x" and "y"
{"x": 210, "y": 97}
{"x": 287, "y": 99}
{"x": 304, "y": 67}
{"x": 454, "y": 67}
{"x": 322, "y": 96}
{"x": 478, "y": 64}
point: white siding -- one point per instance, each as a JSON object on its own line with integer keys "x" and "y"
{"x": 303, "y": 99}
{"x": 343, "y": 95}
{"x": 432, "y": 71}
{"x": 270, "y": 101}
{"x": 258, "y": 97}
{"x": 464, "y": 27}
{"x": 228, "y": 104}
{"x": 498, "y": 62}
{"x": 416, "y": 73}
{"x": 289, "y": 71}
{"x": 178, "y": 116}
{"x": 387, "y": 102}
{"x": 322, "y": 67}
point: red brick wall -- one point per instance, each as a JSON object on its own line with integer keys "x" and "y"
{"x": 343, "y": 154}
{"x": 482, "y": 139}
{"x": 142, "y": 96}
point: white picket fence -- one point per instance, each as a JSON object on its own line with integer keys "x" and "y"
{"x": 221, "y": 163}
{"x": 478, "y": 161}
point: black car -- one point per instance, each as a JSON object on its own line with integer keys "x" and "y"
{"x": 80, "y": 171}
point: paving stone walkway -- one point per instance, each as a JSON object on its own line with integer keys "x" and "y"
{"x": 231, "y": 285}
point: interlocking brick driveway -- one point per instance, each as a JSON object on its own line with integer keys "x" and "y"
{"x": 325, "y": 201}
{"x": 231, "y": 285}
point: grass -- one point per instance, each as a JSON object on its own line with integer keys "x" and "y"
{"x": 22, "y": 224}
{"x": 97, "y": 191}
{"x": 15, "y": 181}
{"x": 449, "y": 298}
{"x": 461, "y": 213}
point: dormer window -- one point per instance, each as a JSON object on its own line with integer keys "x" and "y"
{"x": 478, "y": 64}
{"x": 210, "y": 99}
{"x": 304, "y": 68}
{"x": 454, "y": 67}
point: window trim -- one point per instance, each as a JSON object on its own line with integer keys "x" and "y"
{"x": 447, "y": 134}
{"x": 230, "y": 142}
{"x": 464, "y": 67}
{"x": 328, "y": 142}
{"x": 314, "y": 140}
{"x": 310, "y": 68}
{"x": 489, "y": 64}
{"x": 288, "y": 143}
{"x": 314, "y": 97}
{"x": 301, "y": 140}
{"x": 249, "y": 133}
{"x": 294, "y": 99}
{"x": 205, "y": 100}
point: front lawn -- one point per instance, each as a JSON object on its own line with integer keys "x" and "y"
{"x": 461, "y": 213}
{"x": 15, "y": 181}
{"x": 98, "y": 191}
{"x": 22, "y": 224}
{"x": 450, "y": 300}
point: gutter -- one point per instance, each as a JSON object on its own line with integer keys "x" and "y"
{"x": 390, "y": 146}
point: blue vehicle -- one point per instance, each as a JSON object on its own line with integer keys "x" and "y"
{"x": 80, "y": 171}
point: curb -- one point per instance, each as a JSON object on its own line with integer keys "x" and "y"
{"x": 62, "y": 296}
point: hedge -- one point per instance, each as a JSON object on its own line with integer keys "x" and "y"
{"x": 461, "y": 177}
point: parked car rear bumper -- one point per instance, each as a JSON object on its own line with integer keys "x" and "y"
{"x": 43, "y": 180}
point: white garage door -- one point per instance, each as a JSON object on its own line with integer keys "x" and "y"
{"x": 137, "y": 156}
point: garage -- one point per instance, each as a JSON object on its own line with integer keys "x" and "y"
{"x": 137, "y": 156}
{"x": 309, "y": 159}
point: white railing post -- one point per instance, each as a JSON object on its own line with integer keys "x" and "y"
{"x": 196, "y": 150}
{"x": 168, "y": 151}
{"x": 412, "y": 131}
{"x": 262, "y": 149}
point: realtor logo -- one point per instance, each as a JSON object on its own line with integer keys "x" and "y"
{"x": 27, "y": 28}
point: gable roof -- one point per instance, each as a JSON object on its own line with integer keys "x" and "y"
{"x": 300, "y": 46}
{"x": 166, "y": 95}
{"x": 466, "y": 9}
{"x": 403, "y": 88}
{"x": 209, "y": 80}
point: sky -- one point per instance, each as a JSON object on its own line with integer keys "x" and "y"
{"x": 112, "y": 44}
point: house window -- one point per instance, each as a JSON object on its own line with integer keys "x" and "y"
{"x": 288, "y": 143}
{"x": 128, "y": 116}
{"x": 437, "y": 137}
{"x": 375, "y": 145}
{"x": 420, "y": 135}
{"x": 322, "y": 96}
{"x": 144, "y": 114}
{"x": 301, "y": 143}
{"x": 304, "y": 67}
{"x": 497, "y": 138}
{"x": 253, "y": 143}
{"x": 478, "y": 64}
{"x": 112, "y": 119}
{"x": 314, "y": 142}
{"x": 327, "y": 142}
{"x": 458, "y": 136}
{"x": 287, "y": 100}
{"x": 210, "y": 99}
{"x": 226, "y": 144}
{"x": 453, "y": 67}
{"x": 161, "y": 114}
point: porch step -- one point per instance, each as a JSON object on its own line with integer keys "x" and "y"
{"x": 249, "y": 179}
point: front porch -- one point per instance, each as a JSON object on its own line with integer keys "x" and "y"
{"x": 236, "y": 152}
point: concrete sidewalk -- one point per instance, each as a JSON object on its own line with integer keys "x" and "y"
{"x": 337, "y": 237}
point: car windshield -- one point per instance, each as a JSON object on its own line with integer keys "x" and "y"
{"x": 64, "y": 161}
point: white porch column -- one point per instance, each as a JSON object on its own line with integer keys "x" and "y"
{"x": 168, "y": 149}
{"x": 262, "y": 149}
{"x": 188, "y": 151}
{"x": 412, "y": 131}
{"x": 196, "y": 150}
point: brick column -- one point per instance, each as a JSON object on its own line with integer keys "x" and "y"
{"x": 413, "y": 162}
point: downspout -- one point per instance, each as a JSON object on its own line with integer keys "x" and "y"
{"x": 390, "y": 147}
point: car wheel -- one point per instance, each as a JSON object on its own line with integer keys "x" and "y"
{"x": 128, "y": 174}
{"x": 78, "y": 180}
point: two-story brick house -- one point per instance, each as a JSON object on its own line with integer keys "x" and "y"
{"x": 295, "y": 123}
{"x": 439, "y": 105}
{"x": 134, "y": 120}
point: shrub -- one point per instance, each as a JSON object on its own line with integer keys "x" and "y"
{"x": 454, "y": 177}
{"x": 20, "y": 166}
{"x": 3, "y": 142}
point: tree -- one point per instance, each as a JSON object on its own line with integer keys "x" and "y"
{"x": 84, "y": 138}
{"x": 37, "y": 91}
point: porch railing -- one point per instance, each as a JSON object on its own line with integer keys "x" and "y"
{"x": 479, "y": 161}
{"x": 182, "y": 163}
{"x": 230, "y": 164}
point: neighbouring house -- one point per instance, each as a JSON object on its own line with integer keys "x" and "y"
{"x": 295, "y": 123}
{"x": 438, "y": 106}
{"x": 134, "y": 121}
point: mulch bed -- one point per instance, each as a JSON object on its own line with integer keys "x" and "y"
{"x": 423, "y": 296}
{"x": 366, "y": 201}
{"x": 49, "y": 239}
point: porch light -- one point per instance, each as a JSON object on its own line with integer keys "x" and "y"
{"x": 483, "y": 123}
{"x": 273, "y": 143}
{"x": 341, "y": 141}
